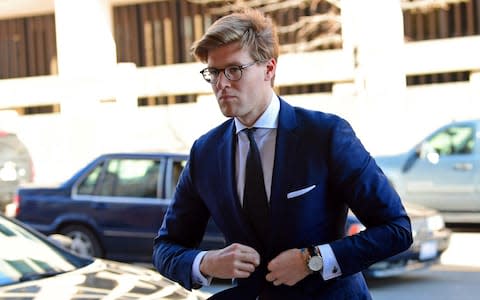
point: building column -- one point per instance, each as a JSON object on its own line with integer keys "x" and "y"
{"x": 85, "y": 43}
{"x": 373, "y": 35}
{"x": 87, "y": 66}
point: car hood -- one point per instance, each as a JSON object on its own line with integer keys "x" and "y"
{"x": 102, "y": 279}
{"x": 391, "y": 161}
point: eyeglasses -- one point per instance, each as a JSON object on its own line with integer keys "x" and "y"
{"x": 233, "y": 73}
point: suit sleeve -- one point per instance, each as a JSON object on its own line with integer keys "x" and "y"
{"x": 184, "y": 223}
{"x": 358, "y": 180}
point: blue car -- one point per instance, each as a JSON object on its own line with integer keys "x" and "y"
{"x": 111, "y": 208}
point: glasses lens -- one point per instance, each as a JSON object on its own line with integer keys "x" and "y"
{"x": 206, "y": 75}
{"x": 233, "y": 73}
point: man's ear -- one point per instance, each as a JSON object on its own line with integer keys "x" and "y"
{"x": 270, "y": 69}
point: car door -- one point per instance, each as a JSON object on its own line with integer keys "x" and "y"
{"x": 126, "y": 204}
{"x": 446, "y": 173}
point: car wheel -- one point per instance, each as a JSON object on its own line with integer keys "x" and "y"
{"x": 84, "y": 241}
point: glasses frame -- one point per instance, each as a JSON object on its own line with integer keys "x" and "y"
{"x": 240, "y": 67}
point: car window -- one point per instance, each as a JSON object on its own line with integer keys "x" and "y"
{"x": 137, "y": 178}
{"x": 124, "y": 178}
{"x": 177, "y": 167}
{"x": 453, "y": 140}
{"x": 87, "y": 186}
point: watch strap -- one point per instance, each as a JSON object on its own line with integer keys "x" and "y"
{"x": 313, "y": 251}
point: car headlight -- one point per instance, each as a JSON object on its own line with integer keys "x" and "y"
{"x": 435, "y": 222}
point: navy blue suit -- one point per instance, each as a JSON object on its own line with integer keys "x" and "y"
{"x": 312, "y": 148}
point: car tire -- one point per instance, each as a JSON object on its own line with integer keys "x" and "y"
{"x": 84, "y": 241}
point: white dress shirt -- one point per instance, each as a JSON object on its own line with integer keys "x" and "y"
{"x": 265, "y": 137}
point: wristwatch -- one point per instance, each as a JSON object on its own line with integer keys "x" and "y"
{"x": 315, "y": 260}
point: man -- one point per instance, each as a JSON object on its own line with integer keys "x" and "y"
{"x": 313, "y": 169}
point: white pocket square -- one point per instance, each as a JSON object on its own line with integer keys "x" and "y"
{"x": 300, "y": 192}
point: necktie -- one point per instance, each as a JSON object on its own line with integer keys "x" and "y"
{"x": 255, "y": 200}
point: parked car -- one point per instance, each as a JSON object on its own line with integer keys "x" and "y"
{"x": 16, "y": 166}
{"x": 34, "y": 267}
{"x": 430, "y": 239}
{"x": 442, "y": 171}
{"x": 111, "y": 208}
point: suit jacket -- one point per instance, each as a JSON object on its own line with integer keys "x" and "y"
{"x": 313, "y": 149}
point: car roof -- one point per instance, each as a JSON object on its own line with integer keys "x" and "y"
{"x": 149, "y": 154}
{"x": 465, "y": 121}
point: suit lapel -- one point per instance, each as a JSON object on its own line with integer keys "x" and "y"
{"x": 285, "y": 154}
{"x": 226, "y": 159}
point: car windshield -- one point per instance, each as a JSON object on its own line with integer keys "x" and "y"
{"x": 24, "y": 256}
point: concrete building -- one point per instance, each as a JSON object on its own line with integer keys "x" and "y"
{"x": 82, "y": 86}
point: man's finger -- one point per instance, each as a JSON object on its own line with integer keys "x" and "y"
{"x": 248, "y": 256}
{"x": 245, "y": 266}
{"x": 270, "y": 277}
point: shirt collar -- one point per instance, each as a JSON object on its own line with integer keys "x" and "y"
{"x": 269, "y": 119}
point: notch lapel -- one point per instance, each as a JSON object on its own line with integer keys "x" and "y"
{"x": 285, "y": 155}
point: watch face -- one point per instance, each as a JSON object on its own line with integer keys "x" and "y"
{"x": 315, "y": 263}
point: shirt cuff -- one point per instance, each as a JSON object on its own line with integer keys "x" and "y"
{"x": 331, "y": 269}
{"x": 197, "y": 276}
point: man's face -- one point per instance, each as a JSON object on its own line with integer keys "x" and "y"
{"x": 248, "y": 97}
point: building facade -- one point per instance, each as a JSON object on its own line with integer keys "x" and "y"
{"x": 78, "y": 78}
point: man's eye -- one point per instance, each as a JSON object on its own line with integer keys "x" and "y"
{"x": 213, "y": 72}
{"x": 233, "y": 69}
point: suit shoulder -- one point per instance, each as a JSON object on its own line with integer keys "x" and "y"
{"x": 319, "y": 119}
{"x": 214, "y": 135}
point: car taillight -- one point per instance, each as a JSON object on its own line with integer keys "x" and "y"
{"x": 32, "y": 173}
{"x": 355, "y": 228}
{"x": 12, "y": 209}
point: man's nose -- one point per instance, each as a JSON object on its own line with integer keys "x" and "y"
{"x": 222, "y": 80}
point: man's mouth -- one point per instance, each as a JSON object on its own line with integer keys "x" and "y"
{"x": 225, "y": 97}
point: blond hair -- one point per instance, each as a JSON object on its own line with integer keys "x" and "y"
{"x": 250, "y": 28}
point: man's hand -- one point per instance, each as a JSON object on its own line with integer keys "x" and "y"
{"x": 234, "y": 261}
{"x": 288, "y": 268}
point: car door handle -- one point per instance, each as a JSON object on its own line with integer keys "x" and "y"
{"x": 98, "y": 205}
{"x": 463, "y": 167}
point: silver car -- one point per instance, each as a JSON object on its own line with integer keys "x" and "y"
{"x": 16, "y": 166}
{"x": 441, "y": 172}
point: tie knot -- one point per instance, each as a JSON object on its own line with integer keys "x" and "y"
{"x": 249, "y": 132}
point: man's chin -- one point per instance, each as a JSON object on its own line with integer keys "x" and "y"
{"x": 227, "y": 112}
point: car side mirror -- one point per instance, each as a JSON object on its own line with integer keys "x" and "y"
{"x": 426, "y": 151}
{"x": 418, "y": 150}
